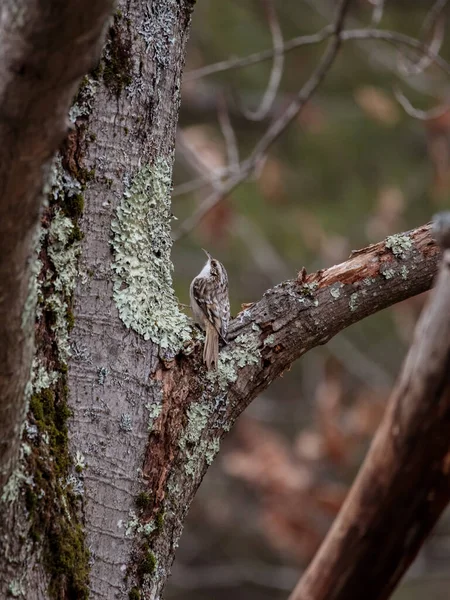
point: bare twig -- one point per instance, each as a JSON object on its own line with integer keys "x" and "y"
{"x": 410, "y": 452}
{"x": 277, "y": 68}
{"x": 257, "y": 57}
{"x": 422, "y": 115}
{"x": 275, "y": 129}
{"x": 377, "y": 13}
{"x": 384, "y": 59}
{"x": 228, "y": 135}
{"x": 433, "y": 26}
{"x": 391, "y": 37}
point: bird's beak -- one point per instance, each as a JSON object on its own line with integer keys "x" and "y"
{"x": 207, "y": 253}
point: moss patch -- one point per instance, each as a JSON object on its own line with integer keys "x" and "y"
{"x": 50, "y": 501}
{"x": 117, "y": 57}
{"x": 147, "y": 564}
{"x": 51, "y": 494}
{"x": 143, "y": 501}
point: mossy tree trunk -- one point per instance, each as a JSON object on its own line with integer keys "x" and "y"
{"x": 123, "y": 420}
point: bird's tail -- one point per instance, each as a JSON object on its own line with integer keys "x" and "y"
{"x": 211, "y": 349}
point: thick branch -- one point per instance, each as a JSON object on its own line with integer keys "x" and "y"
{"x": 45, "y": 48}
{"x": 404, "y": 483}
{"x": 298, "y": 315}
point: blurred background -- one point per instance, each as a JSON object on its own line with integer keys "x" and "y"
{"x": 353, "y": 167}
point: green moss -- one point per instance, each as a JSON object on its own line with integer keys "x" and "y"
{"x": 52, "y": 505}
{"x": 70, "y": 319}
{"x": 143, "y": 500}
{"x": 31, "y": 499}
{"x": 160, "y": 520}
{"x": 134, "y": 594}
{"x": 36, "y": 408}
{"x": 147, "y": 564}
{"x": 65, "y": 555}
{"x": 117, "y": 64}
{"x": 73, "y": 206}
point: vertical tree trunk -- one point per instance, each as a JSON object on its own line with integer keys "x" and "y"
{"x": 108, "y": 215}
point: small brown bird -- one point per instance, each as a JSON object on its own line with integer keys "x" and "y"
{"x": 211, "y": 307}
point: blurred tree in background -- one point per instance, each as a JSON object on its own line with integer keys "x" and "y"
{"x": 357, "y": 164}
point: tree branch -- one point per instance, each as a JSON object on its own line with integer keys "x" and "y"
{"x": 298, "y": 315}
{"x": 404, "y": 485}
{"x": 45, "y": 48}
{"x": 383, "y": 35}
{"x": 276, "y": 128}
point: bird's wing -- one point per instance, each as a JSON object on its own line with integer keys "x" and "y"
{"x": 206, "y": 303}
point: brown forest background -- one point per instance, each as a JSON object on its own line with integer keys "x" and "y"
{"x": 353, "y": 168}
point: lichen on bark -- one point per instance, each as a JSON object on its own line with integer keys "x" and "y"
{"x": 143, "y": 290}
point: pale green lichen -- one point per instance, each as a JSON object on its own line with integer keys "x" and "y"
{"x": 132, "y": 523}
{"x": 404, "y": 272}
{"x": 245, "y": 351}
{"x": 198, "y": 414}
{"x": 63, "y": 254}
{"x": 212, "y": 449}
{"x": 142, "y": 268}
{"x": 126, "y": 423}
{"x": 399, "y": 244}
{"x": 29, "y": 309}
{"x": 353, "y": 302}
{"x": 60, "y": 183}
{"x": 368, "y": 281}
{"x": 59, "y": 306}
{"x": 202, "y": 451}
{"x": 388, "y": 273}
{"x": 79, "y": 461}
{"x": 154, "y": 411}
{"x": 41, "y": 378}
{"x": 12, "y": 487}
{"x": 135, "y": 526}
{"x": 270, "y": 339}
{"x": 335, "y": 292}
{"x": 197, "y": 450}
{"x": 85, "y": 99}
{"x": 15, "y": 589}
{"x": 102, "y": 374}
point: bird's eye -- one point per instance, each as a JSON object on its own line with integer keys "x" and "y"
{"x": 213, "y": 263}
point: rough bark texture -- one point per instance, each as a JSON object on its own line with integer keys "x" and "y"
{"x": 199, "y": 408}
{"x": 44, "y": 52}
{"x": 132, "y": 124}
{"x": 45, "y": 48}
{"x": 404, "y": 483}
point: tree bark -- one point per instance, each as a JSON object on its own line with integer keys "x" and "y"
{"x": 45, "y": 48}
{"x": 403, "y": 485}
{"x": 38, "y": 81}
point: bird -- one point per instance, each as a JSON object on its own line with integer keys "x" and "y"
{"x": 210, "y": 306}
